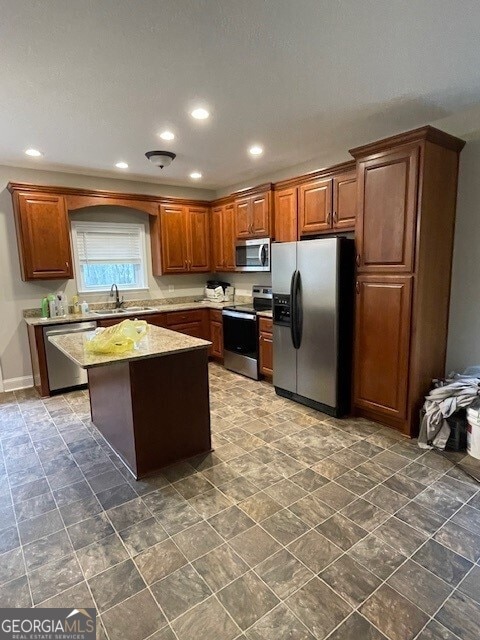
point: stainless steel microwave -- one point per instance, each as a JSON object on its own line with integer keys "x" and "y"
{"x": 252, "y": 255}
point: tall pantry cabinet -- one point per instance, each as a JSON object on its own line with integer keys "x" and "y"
{"x": 406, "y": 197}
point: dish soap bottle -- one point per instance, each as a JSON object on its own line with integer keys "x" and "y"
{"x": 52, "y": 307}
{"x": 84, "y": 307}
{"x": 76, "y": 305}
{"x": 44, "y": 307}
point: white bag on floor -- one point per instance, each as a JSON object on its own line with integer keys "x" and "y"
{"x": 473, "y": 432}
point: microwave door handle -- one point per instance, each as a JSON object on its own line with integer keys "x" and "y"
{"x": 260, "y": 254}
{"x": 263, "y": 254}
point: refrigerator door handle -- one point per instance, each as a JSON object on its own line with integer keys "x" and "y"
{"x": 292, "y": 308}
{"x": 298, "y": 310}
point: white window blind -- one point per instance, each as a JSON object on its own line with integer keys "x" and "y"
{"x": 109, "y": 245}
{"x": 107, "y": 253}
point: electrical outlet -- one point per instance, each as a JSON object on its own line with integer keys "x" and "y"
{"x": 171, "y": 288}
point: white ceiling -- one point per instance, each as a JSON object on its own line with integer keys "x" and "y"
{"x": 91, "y": 82}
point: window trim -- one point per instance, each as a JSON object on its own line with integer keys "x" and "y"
{"x": 113, "y": 227}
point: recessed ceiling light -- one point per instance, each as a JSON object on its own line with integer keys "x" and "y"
{"x": 35, "y": 153}
{"x": 195, "y": 175}
{"x": 200, "y": 114}
{"x": 256, "y": 150}
{"x": 121, "y": 165}
{"x": 167, "y": 135}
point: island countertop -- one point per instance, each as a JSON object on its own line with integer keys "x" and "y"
{"x": 158, "y": 342}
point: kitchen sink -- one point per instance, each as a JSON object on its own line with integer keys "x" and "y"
{"x": 135, "y": 309}
{"x": 104, "y": 312}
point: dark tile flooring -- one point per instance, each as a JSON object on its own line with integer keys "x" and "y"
{"x": 298, "y": 526}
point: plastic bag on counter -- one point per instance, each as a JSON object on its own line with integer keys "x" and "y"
{"x": 119, "y": 338}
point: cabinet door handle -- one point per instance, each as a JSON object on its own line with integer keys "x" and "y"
{"x": 329, "y": 218}
{"x": 334, "y": 217}
{"x": 67, "y": 265}
{"x": 357, "y": 287}
{"x": 358, "y": 260}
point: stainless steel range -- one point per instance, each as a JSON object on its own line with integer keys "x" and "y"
{"x": 240, "y": 332}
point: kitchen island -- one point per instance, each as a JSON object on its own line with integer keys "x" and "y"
{"x": 152, "y": 403}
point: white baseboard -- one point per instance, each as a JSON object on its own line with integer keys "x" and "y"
{"x": 13, "y": 384}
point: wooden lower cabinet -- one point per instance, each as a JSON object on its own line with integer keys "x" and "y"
{"x": 216, "y": 334}
{"x": 193, "y": 323}
{"x": 265, "y": 341}
{"x": 382, "y": 346}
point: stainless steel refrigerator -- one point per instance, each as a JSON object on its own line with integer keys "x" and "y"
{"x": 312, "y": 284}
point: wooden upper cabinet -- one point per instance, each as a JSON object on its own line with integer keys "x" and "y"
{"x": 243, "y": 218}
{"x": 198, "y": 239}
{"x": 382, "y": 338}
{"x": 228, "y": 224}
{"x": 387, "y": 206}
{"x": 184, "y": 239}
{"x": 43, "y": 236}
{"x": 173, "y": 235}
{"x": 223, "y": 238}
{"x": 261, "y": 215}
{"x": 345, "y": 200}
{"x": 286, "y": 215}
{"x": 315, "y": 206}
{"x": 216, "y": 218}
{"x": 252, "y": 216}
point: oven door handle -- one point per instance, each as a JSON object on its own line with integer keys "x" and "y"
{"x": 240, "y": 315}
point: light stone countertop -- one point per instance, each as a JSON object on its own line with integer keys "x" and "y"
{"x": 155, "y": 308}
{"x": 158, "y": 342}
{"x": 265, "y": 314}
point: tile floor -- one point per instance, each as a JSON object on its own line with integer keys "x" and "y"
{"x": 298, "y": 526}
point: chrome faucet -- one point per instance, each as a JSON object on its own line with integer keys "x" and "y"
{"x": 118, "y": 302}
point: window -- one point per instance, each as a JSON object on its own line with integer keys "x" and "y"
{"x": 107, "y": 253}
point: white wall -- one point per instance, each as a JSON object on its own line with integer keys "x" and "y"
{"x": 16, "y": 295}
{"x": 464, "y": 327}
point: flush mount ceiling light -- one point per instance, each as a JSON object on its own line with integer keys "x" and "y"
{"x": 121, "y": 165}
{"x": 34, "y": 153}
{"x": 167, "y": 135}
{"x": 195, "y": 175}
{"x": 200, "y": 114}
{"x": 255, "y": 150}
{"x": 160, "y": 158}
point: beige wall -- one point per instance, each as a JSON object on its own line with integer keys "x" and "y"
{"x": 16, "y": 295}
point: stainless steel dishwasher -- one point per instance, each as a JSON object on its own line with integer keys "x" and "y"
{"x": 63, "y": 373}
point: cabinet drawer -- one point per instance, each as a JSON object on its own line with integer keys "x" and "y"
{"x": 194, "y": 329}
{"x": 216, "y": 315}
{"x": 109, "y": 322}
{"x": 182, "y": 317}
{"x": 265, "y": 325}
{"x": 157, "y": 319}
